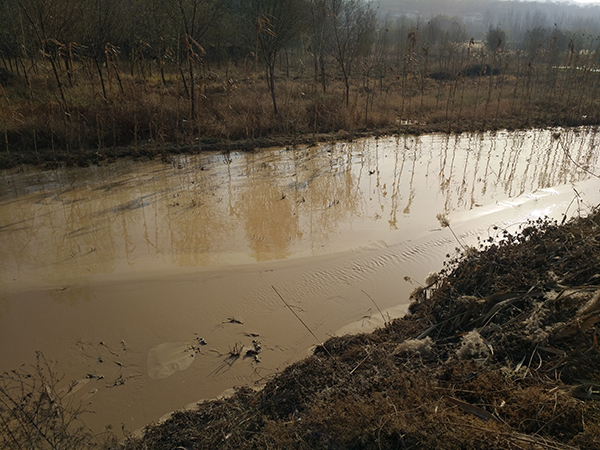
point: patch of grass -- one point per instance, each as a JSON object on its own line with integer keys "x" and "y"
{"x": 236, "y": 107}
{"x": 36, "y": 414}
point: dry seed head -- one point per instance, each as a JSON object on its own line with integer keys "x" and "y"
{"x": 443, "y": 219}
{"x": 432, "y": 278}
{"x": 473, "y": 346}
{"x": 420, "y": 346}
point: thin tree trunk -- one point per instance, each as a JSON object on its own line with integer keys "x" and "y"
{"x": 347, "y": 84}
{"x": 188, "y": 46}
{"x": 185, "y": 86}
{"x": 160, "y": 63}
{"x": 323, "y": 79}
{"x": 58, "y": 82}
{"x": 192, "y": 95}
{"x": 271, "y": 83}
{"x": 101, "y": 77}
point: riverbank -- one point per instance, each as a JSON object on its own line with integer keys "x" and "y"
{"x": 500, "y": 351}
{"x": 136, "y": 259}
{"x": 146, "y": 117}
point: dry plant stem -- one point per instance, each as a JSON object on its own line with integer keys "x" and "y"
{"x": 376, "y": 306}
{"x": 445, "y": 223}
{"x": 576, "y": 197}
{"x": 301, "y": 321}
{"x": 566, "y": 150}
{"x": 34, "y": 415}
{"x": 457, "y": 239}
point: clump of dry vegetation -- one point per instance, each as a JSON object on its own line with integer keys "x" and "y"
{"x": 36, "y": 414}
{"x": 501, "y": 352}
{"x": 148, "y": 118}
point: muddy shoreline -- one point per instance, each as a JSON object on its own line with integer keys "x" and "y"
{"x": 132, "y": 265}
{"x": 52, "y": 158}
{"x": 500, "y": 351}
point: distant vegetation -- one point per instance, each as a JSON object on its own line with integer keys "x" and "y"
{"x": 82, "y": 80}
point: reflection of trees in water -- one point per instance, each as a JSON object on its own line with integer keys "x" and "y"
{"x": 510, "y": 163}
{"x": 484, "y": 179}
{"x": 446, "y": 174}
{"x": 474, "y": 142}
{"x": 520, "y": 141}
{"x": 266, "y": 213}
{"x": 376, "y": 188}
{"x": 463, "y": 185}
{"x": 580, "y": 152}
{"x": 411, "y": 188}
{"x": 271, "y": 202}
{"x": 192, "y": 222}
{"x": 333, "y": 197}
{"x": 587, "y": 155}
{"x": 19, "y": 220}
{"x": 49, "y": 230}
{"x": 399, "y": 160}
{"x": 284, "y": 197}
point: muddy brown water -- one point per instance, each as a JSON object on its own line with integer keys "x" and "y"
{"x": 118, "y": 273}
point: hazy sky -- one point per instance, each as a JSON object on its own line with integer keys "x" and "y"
{"x": 586, "y": 2}
{"x": 583, "y": 2}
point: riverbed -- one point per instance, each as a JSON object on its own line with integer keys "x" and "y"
{"x": 153, "y": 285}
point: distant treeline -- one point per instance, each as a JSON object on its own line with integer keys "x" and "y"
{"x": 240, "y": 30}
{"x": 517, "y": 18}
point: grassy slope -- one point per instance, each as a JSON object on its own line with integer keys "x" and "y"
{"x": 143, "y": 116}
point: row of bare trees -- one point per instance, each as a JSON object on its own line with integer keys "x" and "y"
{"x": 340, "y": 36}
{"x": 188, "y": 33}
{"x": 187, "y": 68}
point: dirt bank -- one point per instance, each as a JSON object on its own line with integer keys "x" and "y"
{"x": 85, "y": 157}
{"x": 149, "y": 120}
{"x": 500, "y": 351}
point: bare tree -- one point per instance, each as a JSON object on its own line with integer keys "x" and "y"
{"x": 9, "y": 36}
{"x": 495, "y": 39}
{"x": 52, "y": 23}
{"x": 353, "y": 24}
{"x": 103, "y": 25}
{"x": 320, "y": 31}
{"x": 276, "y": 23}
{"x": 197, "y": 16}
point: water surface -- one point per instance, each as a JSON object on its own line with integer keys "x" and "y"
{"x": 117, "y": 272}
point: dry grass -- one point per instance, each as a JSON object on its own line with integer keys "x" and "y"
{"x": 36, "y": 414}
{"x": 140, "y": 114}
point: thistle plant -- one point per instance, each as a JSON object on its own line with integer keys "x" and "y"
{"x": 445, "y": 223}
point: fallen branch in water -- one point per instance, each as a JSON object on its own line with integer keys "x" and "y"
{"x": 301, "y": 321}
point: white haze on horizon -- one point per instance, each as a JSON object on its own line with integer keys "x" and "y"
{"x": 579, "y": 2}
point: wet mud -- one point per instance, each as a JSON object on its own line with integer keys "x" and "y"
{"x": 151, "y": 284}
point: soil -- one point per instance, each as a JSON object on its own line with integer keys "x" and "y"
{"x": 87, "y": 156}
{"x": 499, "y": 351}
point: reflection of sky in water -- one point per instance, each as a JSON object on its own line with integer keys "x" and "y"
{"x": 272, "y": 204}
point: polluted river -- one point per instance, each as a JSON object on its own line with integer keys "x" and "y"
{"x": 150, "y": 285}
